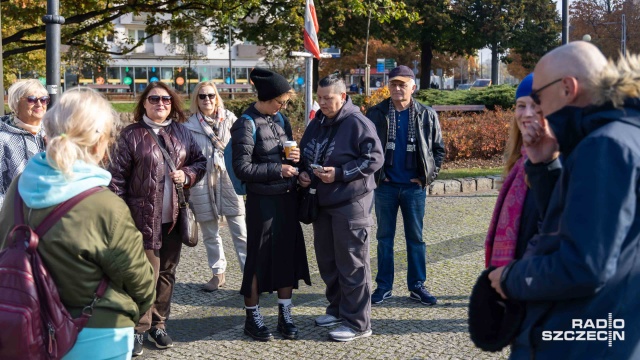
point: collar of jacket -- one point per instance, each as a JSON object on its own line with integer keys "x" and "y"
{"x": 572, "y": 124}
{"x": 384, "y": 107}
{"x": 6, "y": 125}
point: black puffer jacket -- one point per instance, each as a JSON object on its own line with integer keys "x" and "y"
{"x": 138, "y": 170}
{"x": 259, "y": 162}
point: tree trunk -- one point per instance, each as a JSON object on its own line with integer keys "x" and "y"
{"x": 494, "y": 64}
{"x": 426, "y": 55}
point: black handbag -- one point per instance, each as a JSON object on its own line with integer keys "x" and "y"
{"x": 308, "y": 207}
{"x": 187, "y": 226}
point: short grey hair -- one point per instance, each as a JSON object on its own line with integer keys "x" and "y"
{"x": 337, "y": 84}
{"x": 21, "y": 89}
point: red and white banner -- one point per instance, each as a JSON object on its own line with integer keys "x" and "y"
{"x": 314, "y": 109}
{"x": 311, "y": 30}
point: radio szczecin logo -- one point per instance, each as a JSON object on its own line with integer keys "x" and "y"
{"x": 608, "y": 330}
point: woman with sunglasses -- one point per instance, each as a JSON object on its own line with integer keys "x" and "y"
{"x": 276, "y": 256}
{"x": 21, "y": 135}
{"x": 141, "y": 176}
{"x": 214, "y": 196}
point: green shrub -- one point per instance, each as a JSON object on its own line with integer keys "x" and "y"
{"x": 476, "y": 136}
{"x": 492, "y": 97}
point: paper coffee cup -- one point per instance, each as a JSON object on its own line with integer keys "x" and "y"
{"x": 288, "y": 146}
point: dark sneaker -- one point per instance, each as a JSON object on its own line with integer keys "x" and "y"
{"x": 327, "y": 320}
{"x": 160, "y": 338}
{"x": 380, "y": 295}
{"x": 421, "y": 294}
{"x": 138, "y": 339}
{"x": 345, "y": 333}
{"x": 286, "y": 327}
{"x": 254, "y": 326}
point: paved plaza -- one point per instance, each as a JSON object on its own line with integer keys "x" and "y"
{"x": 210, "y": 325}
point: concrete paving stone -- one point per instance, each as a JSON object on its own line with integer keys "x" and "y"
{"x": 468, "y": 185}
{"x": 210, "y": 325}
{"x": 436, "y": 188}
{"x": 452, "y": 186}
{"x": 484, "y": 184}
{"x": 497, "y": 181}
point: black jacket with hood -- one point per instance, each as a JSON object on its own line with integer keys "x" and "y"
{"x": 355, "y": 152}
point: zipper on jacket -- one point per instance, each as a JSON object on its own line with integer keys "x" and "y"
{"x": 52, "y": 338}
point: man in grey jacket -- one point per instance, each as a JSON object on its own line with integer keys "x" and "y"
{"x": 413, "y": 147}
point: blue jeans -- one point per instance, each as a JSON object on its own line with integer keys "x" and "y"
{"x": 411, "y": 199}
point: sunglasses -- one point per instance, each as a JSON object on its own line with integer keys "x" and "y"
{"x": 155, "y": 99}
{"x": 535, "y": 94}
{"x": 204, "y": 96}
{"x": 282, "y": 103}
{"x": 34, "y": 99}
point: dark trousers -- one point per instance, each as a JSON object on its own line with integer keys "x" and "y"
{"x": 341, "y": 239}
{"x": 164, "y": 262}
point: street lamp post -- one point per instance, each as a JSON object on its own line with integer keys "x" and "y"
{"x": 53, "y": 20}
{"x": 565, "y": 21}
{"x": 623, "y": 35}
{"x": 367, "y": 68}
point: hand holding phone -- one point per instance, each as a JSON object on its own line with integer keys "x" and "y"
{"x": 317, "y": 167}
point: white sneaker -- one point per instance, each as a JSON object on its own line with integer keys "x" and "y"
{"x": 327, "y": 320}
{"x": 345, "y": 333}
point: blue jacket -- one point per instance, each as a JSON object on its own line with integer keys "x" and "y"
{"x": 585, "y": 264}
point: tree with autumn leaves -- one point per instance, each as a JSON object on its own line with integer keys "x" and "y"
{"x": 440, "y": 30}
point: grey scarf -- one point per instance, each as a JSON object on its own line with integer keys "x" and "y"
{"x": 410, "y": 159}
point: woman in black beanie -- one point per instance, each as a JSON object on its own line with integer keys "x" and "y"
{"x": 276, "y": 255}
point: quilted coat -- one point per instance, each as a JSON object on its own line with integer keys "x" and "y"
{"x": 138, "y": 170}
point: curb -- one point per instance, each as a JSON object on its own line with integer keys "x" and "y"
{"x": 465, "y": 185}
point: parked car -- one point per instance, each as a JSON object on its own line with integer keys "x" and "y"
{"x": 481, "y": 83}
{"x": 464, "y": 86}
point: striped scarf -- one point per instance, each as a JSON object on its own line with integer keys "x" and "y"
{"x": 410, "y": 159}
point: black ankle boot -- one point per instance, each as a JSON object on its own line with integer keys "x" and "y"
{"x": 286, "y": 327}
{"x": 254, "y": 326}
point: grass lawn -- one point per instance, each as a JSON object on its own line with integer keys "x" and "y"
{"x": 448, "y": 174}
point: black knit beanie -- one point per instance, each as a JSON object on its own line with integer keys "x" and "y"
{"x": 269, "y": 84}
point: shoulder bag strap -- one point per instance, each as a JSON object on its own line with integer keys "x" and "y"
{"x": 179, "y": 187}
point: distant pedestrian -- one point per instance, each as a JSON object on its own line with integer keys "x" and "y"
{"x": 214, "y": 197}
{"x": 21, "y": 133}
{"x": 414, "y": 151}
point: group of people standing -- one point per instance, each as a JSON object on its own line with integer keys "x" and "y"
{"x": 51, "y": 157}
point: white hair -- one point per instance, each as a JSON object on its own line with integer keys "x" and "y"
{"x": 21, "y": 89}
{"x": 81, "y": 120}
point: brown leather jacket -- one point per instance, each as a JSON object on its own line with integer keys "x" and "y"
{"x": 138, "y": 170}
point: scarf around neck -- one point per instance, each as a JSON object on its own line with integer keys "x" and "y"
{"x": 211, "y": 128}
{"x": 502, "y": 237}
{"x": 410, "y": 158}
{"x": 154, "y": 125}
{"x": 33, "y": 129}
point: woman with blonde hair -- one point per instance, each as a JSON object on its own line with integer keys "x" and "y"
{"x": 97, "y": 237}
{"x": 21, "y": 133}
{"x": 515, "y": 216}
{"x": 214, "y": 197}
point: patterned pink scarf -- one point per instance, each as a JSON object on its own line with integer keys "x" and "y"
{"x": 502, "y": 237}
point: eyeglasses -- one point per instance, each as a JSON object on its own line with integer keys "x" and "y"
{"x": 535, "y": 94}
{"x": 45, "y": 100}
{"x": 283, "y": 104}
{"x": 398, "y": 85}
{"x": 155, "y": 99}
{"x": 204, "y": 96}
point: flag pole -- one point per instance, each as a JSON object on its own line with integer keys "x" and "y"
{"x": 308, "y": 81}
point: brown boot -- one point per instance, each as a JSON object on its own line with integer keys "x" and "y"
{"x": 216, "y": 282}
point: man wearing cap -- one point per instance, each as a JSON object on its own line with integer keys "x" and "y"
{"x": 413, "y": 147}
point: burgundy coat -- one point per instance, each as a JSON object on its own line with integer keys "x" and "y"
{"x": 138, "y": 170}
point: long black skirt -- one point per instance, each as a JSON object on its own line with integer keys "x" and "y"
{"x": 276, "y": 251}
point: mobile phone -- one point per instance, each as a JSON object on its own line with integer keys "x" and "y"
{"x": 320, "y": 168}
